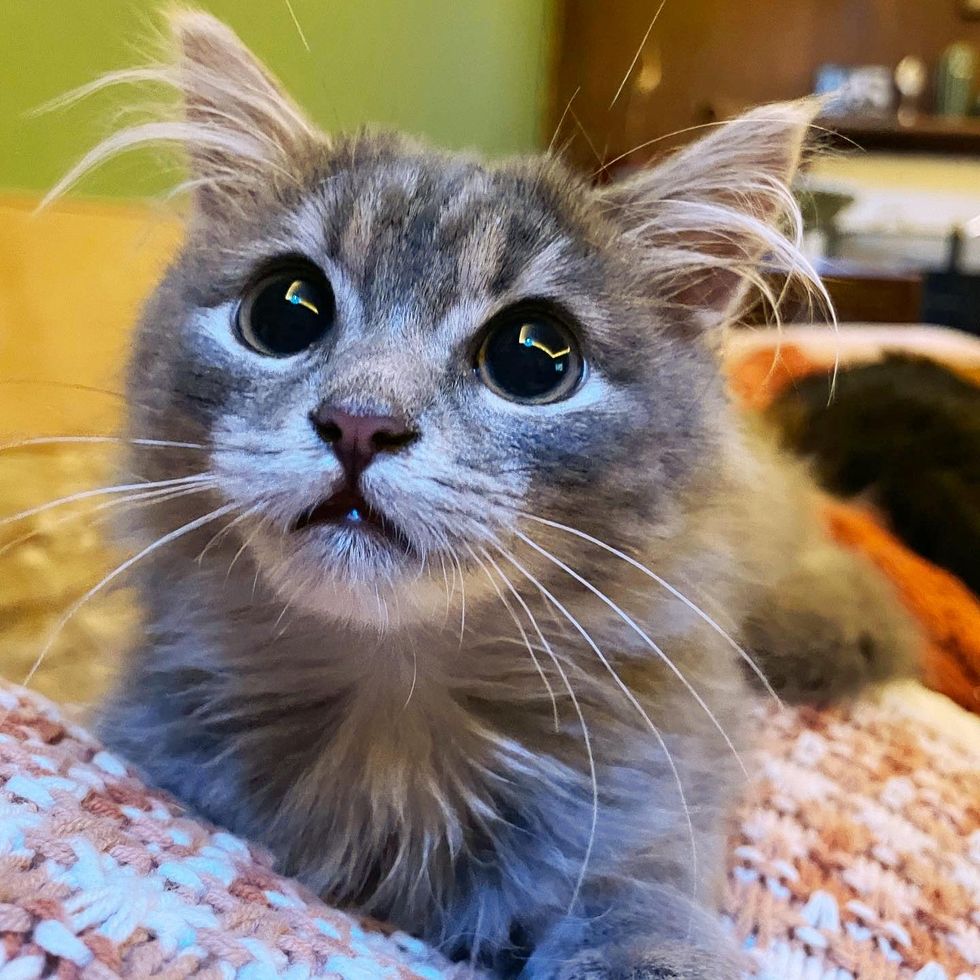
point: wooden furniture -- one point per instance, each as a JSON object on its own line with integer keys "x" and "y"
{"x": 860, "y": 294}
{"x": 705, "y": 60}
{"x": 924, "y": 134}
{"x": 867, "y": 294}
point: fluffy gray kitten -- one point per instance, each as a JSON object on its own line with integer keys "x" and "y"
{"x": 459, "y": 535}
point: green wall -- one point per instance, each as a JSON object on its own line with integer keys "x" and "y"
{"x": 464, "y": 73}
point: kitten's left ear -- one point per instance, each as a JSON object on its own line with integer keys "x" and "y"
{"x": 241, "y": 126}
{"x": 708, "y": 215}
{"x": 243, "y": 135}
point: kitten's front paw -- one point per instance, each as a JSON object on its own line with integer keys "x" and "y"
{"x": 587, "y": 965}
{"x": 670, "y": 961}
{"x": 830, "y": 629}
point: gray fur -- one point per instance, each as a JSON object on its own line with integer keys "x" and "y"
{"x": 331, "y": 696}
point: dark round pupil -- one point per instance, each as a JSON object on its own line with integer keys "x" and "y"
{"x": 530, "y": 358}
{"x": 289, "y": 314}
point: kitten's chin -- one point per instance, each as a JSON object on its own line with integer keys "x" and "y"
{"x": 350, "y": 574}
{"x": 388, "y": 608}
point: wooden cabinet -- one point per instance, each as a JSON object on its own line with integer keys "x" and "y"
{"x": 705, "y": 60}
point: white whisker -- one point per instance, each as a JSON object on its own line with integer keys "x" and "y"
{"x": 462, "y": 593}
{"x": 636, "y": 57}
{"x": 221, "y": 532}
{"x": 299, "y": 29}
{"x": 587, "y": 738}
{"x": 633, "y": 625}
{"x": 449, "y": 597}
{"x": 663, "y": 583}
{"x": 415, "y": 677}
{"x": 561, "y": 121}
{"x": 282, "y": 614}
{"x": 113, "y": 440}
{"x": 197, "y": 478}
{"x": 245, "y": 544}
{"x": 630, "y": 696}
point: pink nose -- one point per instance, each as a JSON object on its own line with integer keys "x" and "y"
{"x": 357, "y": 439}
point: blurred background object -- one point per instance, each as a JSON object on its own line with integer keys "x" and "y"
{"x": 893, "y": 212}
{"x": 463, "y": 74}
{"x": 884, "y": 414}
{"x": 866, "y": 89}
{"x": 911, "y": 78}
{"x": 901, "y": 86}
{"x": 956, "y": 80}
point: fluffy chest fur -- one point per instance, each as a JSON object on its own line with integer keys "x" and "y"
{"x": 439, "y": 777}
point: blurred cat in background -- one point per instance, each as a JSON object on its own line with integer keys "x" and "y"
{"x": 462, "y": 568}
{"x": 905, "y": 434}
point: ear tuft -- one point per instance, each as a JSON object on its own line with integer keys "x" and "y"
{"x": 717, "y": 220}
{"x": 246, "y": 122}
{"x": 241, "y": 132}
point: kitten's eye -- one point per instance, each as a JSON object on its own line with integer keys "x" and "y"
{"x": 286, "y": 312}
{"x": 530, "y": 356}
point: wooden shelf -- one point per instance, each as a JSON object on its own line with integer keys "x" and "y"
{"x": 924, "y": 134}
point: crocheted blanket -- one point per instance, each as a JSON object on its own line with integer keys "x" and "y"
{"x": 856, "y": 854}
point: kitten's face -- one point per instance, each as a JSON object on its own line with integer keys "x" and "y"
{"x": 489, "y": 314}
{"x": 396, "y": 354}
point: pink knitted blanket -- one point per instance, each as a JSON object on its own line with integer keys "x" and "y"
{"x": 856, "y": 855}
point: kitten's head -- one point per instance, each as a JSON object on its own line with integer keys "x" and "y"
{"x": 395, "y": 355}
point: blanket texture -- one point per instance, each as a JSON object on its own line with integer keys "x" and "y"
{"x": 856, "y": 854}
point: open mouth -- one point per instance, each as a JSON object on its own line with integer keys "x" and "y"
{"x": 348, "y": 509}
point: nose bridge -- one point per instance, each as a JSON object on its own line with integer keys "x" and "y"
{"x": 379, "y": 381}
{"x": 370, "y": 397}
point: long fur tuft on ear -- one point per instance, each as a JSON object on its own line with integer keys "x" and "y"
{"x": 717, "y": 224}
{"x": 239, "y": 130}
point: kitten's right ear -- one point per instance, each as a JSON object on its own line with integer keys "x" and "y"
{"x": 241, "y": 131}
{"x": 711, "y": 215}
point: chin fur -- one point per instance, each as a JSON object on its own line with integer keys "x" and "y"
{"x": 355, "y": 577}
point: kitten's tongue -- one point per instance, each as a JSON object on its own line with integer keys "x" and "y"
{"x": 344, "y": 507}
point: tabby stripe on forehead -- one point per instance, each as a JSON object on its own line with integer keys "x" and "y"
{"x": 355, "y": 237}
{"x": 482, "y": 251}
{"x": 524, "y": 242}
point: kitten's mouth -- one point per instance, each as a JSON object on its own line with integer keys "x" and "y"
{"x": 348, "y": 509}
